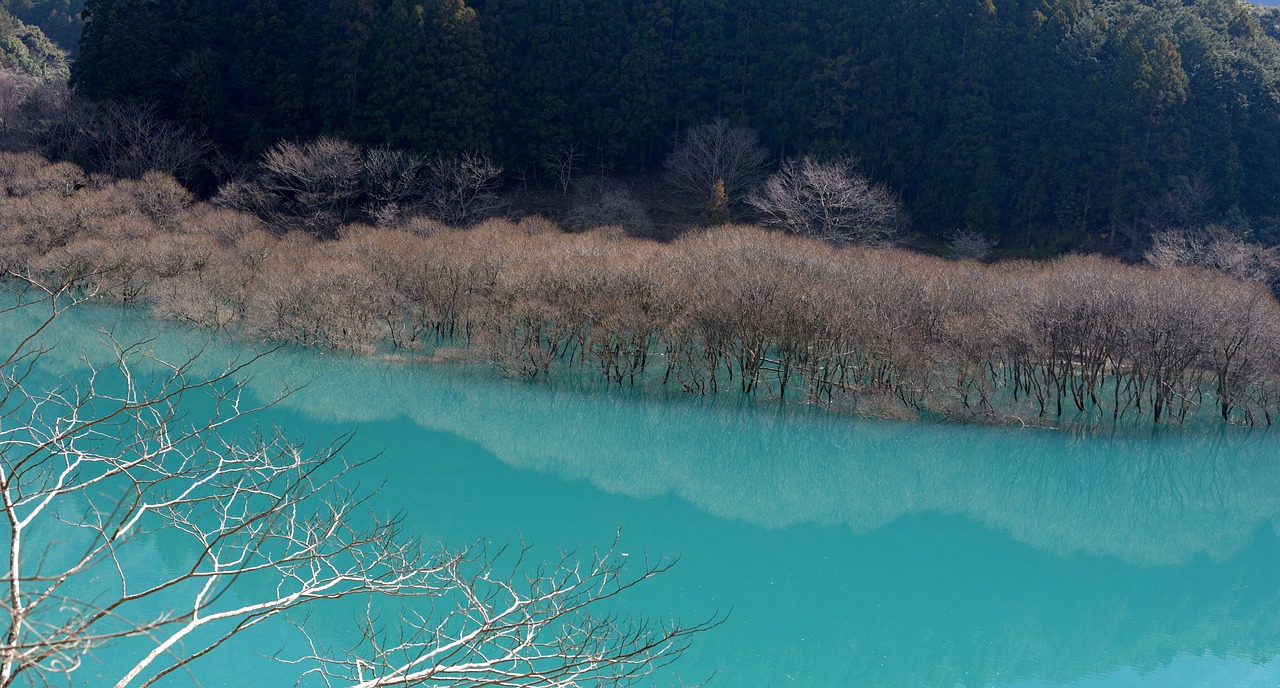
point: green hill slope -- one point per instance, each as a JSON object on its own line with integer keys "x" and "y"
{"x": 27, "y": 50}
{"x": 59, "y": 20}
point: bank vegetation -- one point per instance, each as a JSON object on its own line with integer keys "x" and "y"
{"x": 867, "y": 330}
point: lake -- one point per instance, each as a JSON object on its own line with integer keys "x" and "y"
{"x": 844, "y": 552}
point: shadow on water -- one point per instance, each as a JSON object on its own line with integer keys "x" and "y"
{"x": 851, "y": 552}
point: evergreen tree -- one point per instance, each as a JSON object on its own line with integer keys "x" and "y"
{"x": 126, "y": 52}
{"x": 392, "y": 111}
{"x": 201, "y": 108}
{"x": 258, "y": 76}
{"x": 345, "y": 33}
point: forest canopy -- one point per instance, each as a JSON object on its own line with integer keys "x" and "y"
{"x": 1014, "y": 118}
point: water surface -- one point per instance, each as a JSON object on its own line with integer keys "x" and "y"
{"x": 846, "y": 552}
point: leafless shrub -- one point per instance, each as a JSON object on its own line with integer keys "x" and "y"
{"x": 223, "y": 224}
{"x": 967, "y": 244}
{"x": 423, "y": 226}
{"x": 537, "y": 224}
{"x": 29, "y": 174}
{"x": 829, "y": 200}
{"x": 1216, "y": 248}
{"x": 599, "y": 203}
{"x": 160, "y": 197}
{"x": 715, "y": 152}
{"x": 460, "y": 190}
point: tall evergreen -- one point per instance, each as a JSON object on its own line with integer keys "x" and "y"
{"x": 345, "y": 32}
{"x": 126, "y": 52}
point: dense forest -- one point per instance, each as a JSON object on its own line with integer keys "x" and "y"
{"x": 1021, "y": 119}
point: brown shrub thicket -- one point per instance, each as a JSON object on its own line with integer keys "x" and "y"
{"x": 735, "y": 308}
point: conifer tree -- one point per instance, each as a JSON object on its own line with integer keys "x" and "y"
{"x": 346, "y": 30}
{"x": 392, "y": 113}
{"x": 258, "y": 60}
{"x": 125, "y": 52}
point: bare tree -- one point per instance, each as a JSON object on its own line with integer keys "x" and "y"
{"x": 966, "y": 244}
{"x": 14, "y": 88}
{"x": 563, "y": 164}
{"x": 1185, "y": 204}
{"x": 392, "y": 178}
{"x": 460, "y": 190}
{"x": 830, "y": 200}
{"x": 608, "y": 203}
{"x": 716, "y": 152}
{"x": 312, "y": 184}
{"x": 135, "y": 139}
{"x": 59, "y": 123}
{"x": 1216, "y": 248}
{"x": 92, "y": 471}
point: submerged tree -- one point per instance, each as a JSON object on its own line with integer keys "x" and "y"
{"x": 93, "y": 472}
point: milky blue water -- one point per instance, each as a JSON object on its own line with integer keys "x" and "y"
{"x": 845, "y": 552}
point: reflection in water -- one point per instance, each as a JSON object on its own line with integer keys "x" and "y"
{"x": 963, "y": 555}
{"x": 1145, "y": 498}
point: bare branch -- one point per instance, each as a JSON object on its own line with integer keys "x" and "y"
{"x": 92, "y": 470}
{"x": 312, "y": 185}
{"x": 716, "y": 152}
{"x": 460, "y": 190}
{"x": 828, "y": 200}
{"x": 135, "y": 139}
{"x": 563, "y": 164}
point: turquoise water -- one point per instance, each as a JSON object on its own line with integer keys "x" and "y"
{"x": 845, "y": 552}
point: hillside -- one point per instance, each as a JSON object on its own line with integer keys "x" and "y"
{"x": 1040, "y": 123}
{"x": 25, "y": 49}
{"x": 59, "y": 20}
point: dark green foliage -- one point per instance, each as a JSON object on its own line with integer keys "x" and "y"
{"x": 1040, "y": 123}
{"x": 59, "y": 20}
{"x": 127, "y": 52}
{"x": 346, "y": 30}
{"x": 25, "y": 49}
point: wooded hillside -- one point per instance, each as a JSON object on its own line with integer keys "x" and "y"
{"x": 58, "y": 20}
{"x": 27, "y": 51}
{"x": 1015, "y": 118}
